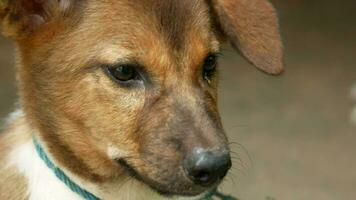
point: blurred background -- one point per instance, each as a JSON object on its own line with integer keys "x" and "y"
{"x": 292, "y": 135}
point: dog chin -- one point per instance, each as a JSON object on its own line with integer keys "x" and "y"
{"x": 191, "y": 195}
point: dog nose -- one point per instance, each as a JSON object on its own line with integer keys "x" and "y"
{"x": 207, "y": 167}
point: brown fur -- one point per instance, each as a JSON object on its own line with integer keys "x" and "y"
{"x": 252, "y": 27}
{"x": 78, "y": 111}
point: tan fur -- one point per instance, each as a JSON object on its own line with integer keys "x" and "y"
{"x": 78, "y": 112}
{"x": 10, "y": 177}
{"x": 13, "y": 185}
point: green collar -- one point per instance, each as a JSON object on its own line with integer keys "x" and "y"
{"x": 89, "y": 196}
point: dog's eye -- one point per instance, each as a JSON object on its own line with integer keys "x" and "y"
{"x": 209, "y": 67}
{"x": 123, "y": 73}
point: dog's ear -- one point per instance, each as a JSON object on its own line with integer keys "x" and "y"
{"x": 19, "y": 17}
{"x": 252, "y": 27}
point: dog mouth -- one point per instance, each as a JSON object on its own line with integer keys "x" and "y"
{"x": 154, "y": 185}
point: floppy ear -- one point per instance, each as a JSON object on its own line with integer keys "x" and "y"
{"x": 252, "y": 27}
{"x": 18, "y": 17}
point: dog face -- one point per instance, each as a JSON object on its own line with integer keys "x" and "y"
{"x": 121, "y": 88}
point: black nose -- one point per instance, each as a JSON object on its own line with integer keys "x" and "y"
{"x": 207, "y": 167}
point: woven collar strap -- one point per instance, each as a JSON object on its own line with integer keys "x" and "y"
{"x": 61, "y": 175}
{"x": 89, "y": 196}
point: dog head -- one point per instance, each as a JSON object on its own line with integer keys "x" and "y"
{"x": 128, "y": 88}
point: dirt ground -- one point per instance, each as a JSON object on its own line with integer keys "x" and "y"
{"x": 292, "y": 137}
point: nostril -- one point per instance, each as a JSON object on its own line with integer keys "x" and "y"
{"x": 202, "y": 176}
{"x": 206, "y": 168}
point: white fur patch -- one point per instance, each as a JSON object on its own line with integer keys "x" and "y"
{"x": 42, "y": 183}
{"x": 115, "y": 153}
{"x": 13, "y": 116}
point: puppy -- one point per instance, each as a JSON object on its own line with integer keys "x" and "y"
{"x": 118, "y": 98}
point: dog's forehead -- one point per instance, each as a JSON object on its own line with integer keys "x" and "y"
{"x": 171, "y": 19}
{"x": 176, "y": 17}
